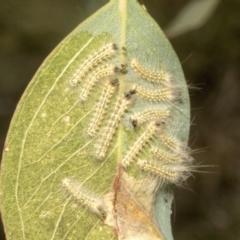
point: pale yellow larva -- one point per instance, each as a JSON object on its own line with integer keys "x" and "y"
{"x": 139, "y": 144}
{"x": 102, "y": 106}
{"x": 152, "y": 76}
{"x": 112, "y": 124}
{"x": 105, "y": 52}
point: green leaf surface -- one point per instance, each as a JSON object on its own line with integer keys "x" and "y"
{"x": 60, "y": 182}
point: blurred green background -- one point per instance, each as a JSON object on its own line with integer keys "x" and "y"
{"x": 208, "y": 208}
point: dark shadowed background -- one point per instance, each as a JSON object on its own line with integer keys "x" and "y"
{"x": 209, "y": 207}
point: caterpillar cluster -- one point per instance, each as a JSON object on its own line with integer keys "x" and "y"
{"x": 153, "y": 149}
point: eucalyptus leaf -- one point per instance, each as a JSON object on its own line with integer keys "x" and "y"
{"x": 194, "y": 15}
{"x": 99, "y": 138}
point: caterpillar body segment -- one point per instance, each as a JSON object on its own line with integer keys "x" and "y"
{"x": 94, "y": 204}
{"x": 102, "y": 106}
{"x": 152, "y": 76}
{"x": 167, "y": 174}
{"x": 158, "y": 95}
{"x": 111, "y": 127}
{"x": 107, "y": 70}
{"x": 134, "y": 150}
{"x": 105, "y": 52}
{"x": 167, "y": 157}
{"x": 147, "y": 115}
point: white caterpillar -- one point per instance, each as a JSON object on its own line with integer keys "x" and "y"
{"x": 102, "y": 106}
{"x": 159, "y": 95}
{"x": 106, "y": 52}
{"x": 152, "y": 76}
{"x": 147, "y": 115}
{"x": 104, "y": 71}
{"x": 94, "y": 204}
{"x": 167, "y": 174}
{"x": 139, "y": 144}
{"x": 107, "y": 135}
